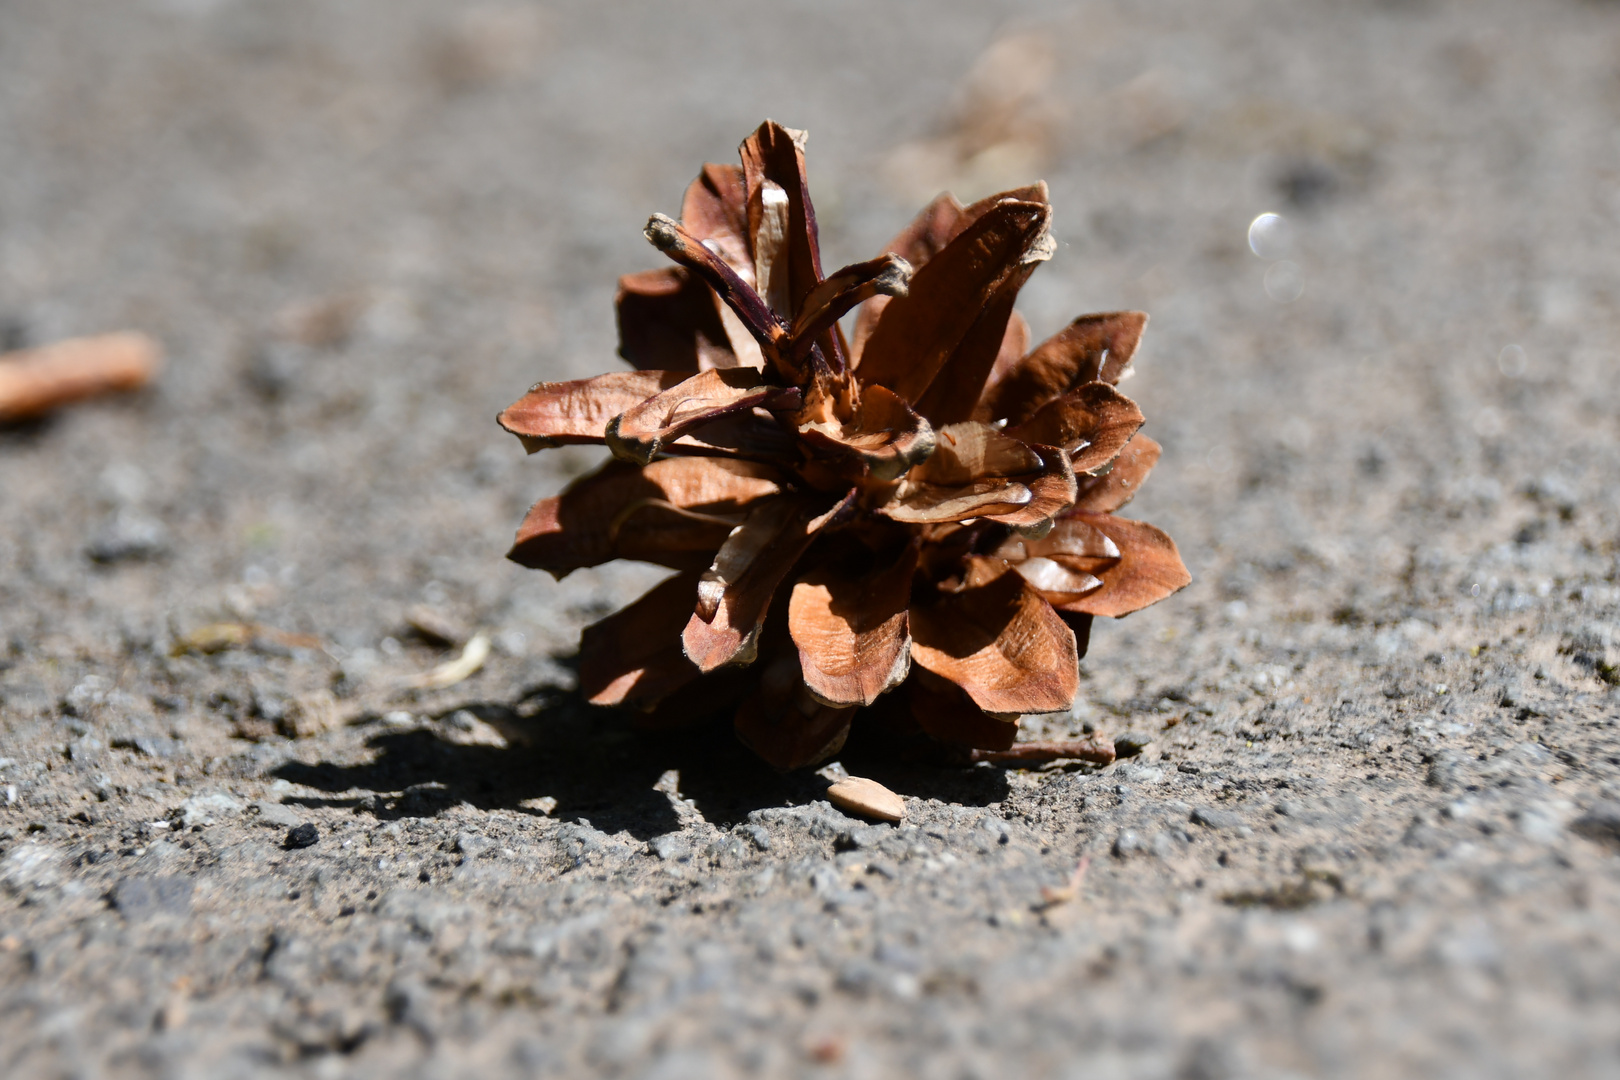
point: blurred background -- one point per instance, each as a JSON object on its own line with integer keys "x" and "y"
{"x": 360, "y": 229}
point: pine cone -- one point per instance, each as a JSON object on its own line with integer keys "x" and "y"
{"x": 926, "y": 509}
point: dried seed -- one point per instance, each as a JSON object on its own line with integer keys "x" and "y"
{"x": 462, "y": 667}
{"x": 858, "y": 795}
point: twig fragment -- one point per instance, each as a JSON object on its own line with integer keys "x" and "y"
{"x": 217, "y": 637}
{"x": 33, "y": 382}
{"x": 1098, "y": 749}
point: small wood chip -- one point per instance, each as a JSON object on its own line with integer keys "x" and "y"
{"x": 35, "y": 381}
{"x": 858, "y": 795}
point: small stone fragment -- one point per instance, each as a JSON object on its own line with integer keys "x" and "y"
{"x": 1601, "y": 825}
{"x": 667, "y": 847}
{"x": 140, "y": 898}
{"x": 276, "y": 814}
{"x": 1220, "y": 820}
{"x": 858, "y": 795}
{"x": 302, "y": 836}
{"x": 155, "y": 746}
{"x": 127, "y": 534}
{"x": 309, "y": 715}
{"x": 1131, "y": 744}
{"x": 205, "y": 810}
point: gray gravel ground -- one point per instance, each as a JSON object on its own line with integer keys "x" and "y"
{"x": 1372, "y": 827}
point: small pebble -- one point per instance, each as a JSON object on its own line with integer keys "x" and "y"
{"x": 138, "y": 898}
{"x": 302, "y": 836}
{"x": 276, "y": 814}
{"x": 1217, "y": 819}
{"x": 858, "y": 795}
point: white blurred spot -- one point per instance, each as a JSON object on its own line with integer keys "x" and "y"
{"x": 125, "y": 482}
{"x": 513, "y": 642}
{"x": 1512, "y": 361}
{"x": 1270, "y": 236}
{"x": 1488, "y": 423}
{"x": 1284, "y": 282}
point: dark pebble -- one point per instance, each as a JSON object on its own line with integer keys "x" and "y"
{"x": 1601, "y": 825}
{"x": 1131, "y": 743}
{"x": 302, "y": 836}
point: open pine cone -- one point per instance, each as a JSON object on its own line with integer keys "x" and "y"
{"x": 927, "y": 509}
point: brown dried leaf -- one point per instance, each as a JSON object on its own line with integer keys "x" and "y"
{"x": 715, "y": 210}
{"x": 976, "y": 471}
{"x": 785, "y": 725}
{"x": 736, "y": 590}
{"x": 640, "y": 433}
{"x": 1073, "y": 537}
{"x": 1065, "y": 563}
{"x": 1093, "y": 348}
{"x": 752, "y": 434}
{"x": 940, "y": 222}
{"x": 669, "y": 321}
{"x": 1051, "y": 493}
{"x": 773, "y": 157}
{"x": 998, "y": 334}
{"x": 561, "y": 413}
{"x": 675, "y": 512}
{"x": 634, "y": 656}
{"x": 1148, "y": 570}
{"x": 972, "y": 451}
{"x": 886, "y": 275}
{"x": 1080, "y": 623}
{"x": 919, "y": 332}
{"x": 1092, "y": 423}
{"x": 1108, "y": 492}
{"x": 705, "y": 698}
{"x": 885, "y": 438}
{"x": 920, "y": 241}
{"x": 945, "y": 711}
{"x": 851, "y": 631}
{"x": 1056, "y": 581}
{"x": 739, "y": 301}
{"x": 1002, "y": 643}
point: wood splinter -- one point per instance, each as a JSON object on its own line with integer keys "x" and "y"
{"x": 1097, "y": 749}
{"x": 34, "y": 382}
